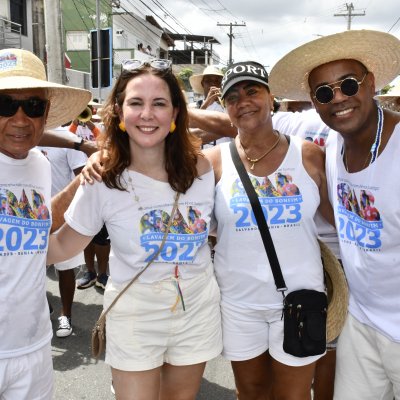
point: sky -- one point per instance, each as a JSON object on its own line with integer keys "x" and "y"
{"x": 273, "y": 27}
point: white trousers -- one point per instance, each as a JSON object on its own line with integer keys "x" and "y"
{"x": 367, "y": 364}
{"x": 27, "y": 377}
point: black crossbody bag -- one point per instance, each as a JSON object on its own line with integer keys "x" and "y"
{"x": 305, "y": 310}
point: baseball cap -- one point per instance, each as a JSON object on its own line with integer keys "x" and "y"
{"x": 243, "y": 71}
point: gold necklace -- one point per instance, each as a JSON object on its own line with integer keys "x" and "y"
{"x": 133, "y": 191}
{"x": 255, "y": 160}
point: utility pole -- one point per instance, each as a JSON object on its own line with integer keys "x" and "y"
{"x": 349, "y": 14}
{"x": 99, "y": 80}
{"x": 231, "y": 36}
{"x": 54, "y": 42}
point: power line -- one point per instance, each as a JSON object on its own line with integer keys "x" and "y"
{"x": 398, "y": 19}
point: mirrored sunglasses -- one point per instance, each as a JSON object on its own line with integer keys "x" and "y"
{"x": 158, "y": 64}
{"x": 348, "y": 86}
{"x": 33, "y": 107}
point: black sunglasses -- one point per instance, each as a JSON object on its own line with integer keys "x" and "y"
{"x": 348, "y": 86}
{"x": 33, "y": 107}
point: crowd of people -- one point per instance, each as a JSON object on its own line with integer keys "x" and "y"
{"x": 323, "y": 173}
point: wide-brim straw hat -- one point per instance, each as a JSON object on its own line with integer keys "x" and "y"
{"x": 95, "y": 104}
{"x": 378, "y": 51}
{"x": 338, "y": 293}
{"x": 391, "y": 95}
{"x": 195, "y": 80}
{"x": 21, "y": 69}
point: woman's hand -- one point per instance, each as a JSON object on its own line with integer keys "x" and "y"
{"x": 93, "y": 169}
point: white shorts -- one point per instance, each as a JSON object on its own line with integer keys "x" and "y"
{"x": 143, "y": 333}
{"x": 72, "y": 263}
{"x": 248, "y": 333}
{"x": 27, "y": 377}
{"x": 367, "y": 364}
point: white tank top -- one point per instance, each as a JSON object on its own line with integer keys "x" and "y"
{"x": 367, "y": 213}
{"x": 289, "y": 197}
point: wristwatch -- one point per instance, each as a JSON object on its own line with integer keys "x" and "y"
{"x": 77, "y": 145}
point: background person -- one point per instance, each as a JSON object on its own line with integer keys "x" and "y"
{"x": 65, "y": 163}
{"x": 28, "y": 103}
{"x": 97, "y": 252}
{"x": 208, "y": 84}
{"x": 175, "y": 311}
{"x": 341, "y": 74}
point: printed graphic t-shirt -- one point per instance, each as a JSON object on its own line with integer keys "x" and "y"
{"x": 289, "y": 197}
{"x": 136, "y": 221}
{"x": 367, "y": 213}
{"x": 25, "y": 221}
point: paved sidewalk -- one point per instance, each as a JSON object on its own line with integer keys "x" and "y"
{"x": 78, "y": 376}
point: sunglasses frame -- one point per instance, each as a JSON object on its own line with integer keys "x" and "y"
{"x": 26, "y": 105}
{"x": 338, "y": 85}
{"x": 159, "y": 64}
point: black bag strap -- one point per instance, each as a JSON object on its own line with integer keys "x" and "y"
{"x": 260, "y": 218}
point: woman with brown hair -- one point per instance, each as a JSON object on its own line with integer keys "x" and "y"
{"x": 165, "y": 327}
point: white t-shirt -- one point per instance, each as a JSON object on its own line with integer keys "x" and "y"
{"x": 289, "y": 197}
{"x": 136, "y": 221}
{"x": 25, "y": 222}
{"x": 63, "y": 163}
{"x": 309, "y": 126}
{"x": 367, "y": 213}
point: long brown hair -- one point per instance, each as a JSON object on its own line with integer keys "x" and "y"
{"x": 181, "y": 148}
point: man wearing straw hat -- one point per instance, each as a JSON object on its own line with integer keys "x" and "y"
{"x": 208, "y": 84}
{"x": 28, "y": 103}
{"x": 341, "y": 74}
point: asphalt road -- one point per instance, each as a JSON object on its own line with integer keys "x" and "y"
{"x": 78, "y": 376}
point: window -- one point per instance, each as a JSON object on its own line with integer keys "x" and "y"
{"x": 77, "y": 40}
{"x": 18, "y": 14}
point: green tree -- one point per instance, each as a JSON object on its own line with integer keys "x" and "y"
{"x": 184, "y": 76}
{"x": 386, "y": 89}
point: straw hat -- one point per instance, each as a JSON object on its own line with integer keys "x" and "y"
{"x": 378, "y": 51}
{"x": 338, "y": 293}
{"x": 95, "y": 104}
{"x": 21, "y": 69}
{"x": 195, "y": 80}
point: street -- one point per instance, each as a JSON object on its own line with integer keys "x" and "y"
{"x": 78, "y": 376}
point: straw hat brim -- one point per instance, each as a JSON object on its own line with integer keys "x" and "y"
{"x": 338, "y": 293}
{"x": 378, "y": 51}
{"x": 66, "y": 102}
{"x": 195, "y": 83}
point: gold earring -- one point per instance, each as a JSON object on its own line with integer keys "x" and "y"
{"x": 172, "y": 126}
{"x": 122, "y": 126}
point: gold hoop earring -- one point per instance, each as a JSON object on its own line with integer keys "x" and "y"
{"x": 172, "y": 126}
{"x": 122, "y": 126}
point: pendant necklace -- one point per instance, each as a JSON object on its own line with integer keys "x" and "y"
{"x": 253, "y": 161}
{"x": 135, "y": 196}
{"x": 374, "y": 151}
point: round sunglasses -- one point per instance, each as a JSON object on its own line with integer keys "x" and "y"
{"x": 348, "y": 86}
{"x": 33, "y": 107}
